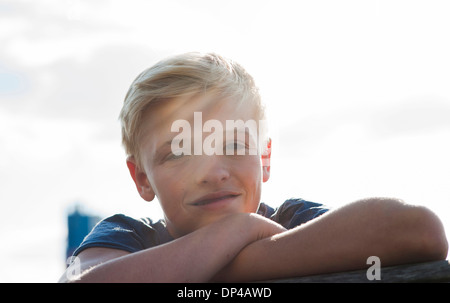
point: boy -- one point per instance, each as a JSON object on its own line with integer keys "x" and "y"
{"x": 207, "y": 178}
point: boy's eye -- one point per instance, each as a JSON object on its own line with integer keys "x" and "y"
{"x": 233, "y": 148}
{"x": 175, "y": 155}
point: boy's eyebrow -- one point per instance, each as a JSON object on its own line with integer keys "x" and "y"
{"x": 234, "y": 131}
{"x": 245, "y": 131}
{"x": 162, "y": 148}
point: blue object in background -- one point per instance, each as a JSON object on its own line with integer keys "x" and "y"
{"x": 79, "y": 225}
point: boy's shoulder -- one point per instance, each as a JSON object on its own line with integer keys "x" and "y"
{"x": 126, "y": 233}
{"x": 293, "y": 212}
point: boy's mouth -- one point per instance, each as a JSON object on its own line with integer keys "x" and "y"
{"x": 214, "y": 197}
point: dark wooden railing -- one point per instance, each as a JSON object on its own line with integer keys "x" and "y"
{"x": 433, "y": 272}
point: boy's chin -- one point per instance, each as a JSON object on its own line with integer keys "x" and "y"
{"x": 214, "y": 218}
{"x": 205, "y": 221}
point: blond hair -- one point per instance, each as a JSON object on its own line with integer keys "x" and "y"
{"x": 178, "y": 76}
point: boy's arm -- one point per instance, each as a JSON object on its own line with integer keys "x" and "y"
{"x": 342, "y": 240}
{"x": 195, "y": 257}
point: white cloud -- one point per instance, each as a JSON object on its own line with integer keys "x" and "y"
{"x": 357, "y": 90}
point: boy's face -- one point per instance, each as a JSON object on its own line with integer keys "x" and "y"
{"x": 195, "y": 190}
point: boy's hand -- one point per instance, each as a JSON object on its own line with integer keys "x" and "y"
{"x": 264, "y": 227}
{"x": 260, "y": 228}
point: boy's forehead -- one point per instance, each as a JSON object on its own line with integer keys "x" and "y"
{"x": 158, "y": 119}
{"x": 161, "y": 115}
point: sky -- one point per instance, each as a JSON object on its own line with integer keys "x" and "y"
{"x": 357, "y": 92}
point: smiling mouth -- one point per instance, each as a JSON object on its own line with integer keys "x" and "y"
{"x": 214, "y": 198}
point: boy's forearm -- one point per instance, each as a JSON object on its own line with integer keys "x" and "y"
{"x": 342, "y": 240}
{"x": 195, "y": 257}
{"x": 192, "y": 258}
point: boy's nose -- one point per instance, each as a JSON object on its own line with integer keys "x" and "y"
{"x": 211, "y": 170}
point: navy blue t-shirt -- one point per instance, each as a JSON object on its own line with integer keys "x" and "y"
{"x": 132, "y": 235}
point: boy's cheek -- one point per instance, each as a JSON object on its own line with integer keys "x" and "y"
{"x": 182, "y": 224}
{"x": 250, "y": 166}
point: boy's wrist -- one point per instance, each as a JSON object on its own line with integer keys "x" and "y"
{"x": 262, "y": 227}
{"x": 249, "y": 227}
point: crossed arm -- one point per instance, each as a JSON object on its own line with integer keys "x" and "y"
{"x": 248, "y": 247}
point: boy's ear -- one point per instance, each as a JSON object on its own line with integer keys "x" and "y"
{"x": 265, "y": 157}
{"x": 140, "y": 179}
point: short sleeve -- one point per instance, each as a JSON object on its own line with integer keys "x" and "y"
{"x": 122, "y": 232}
{"x": 295, "y": 212}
